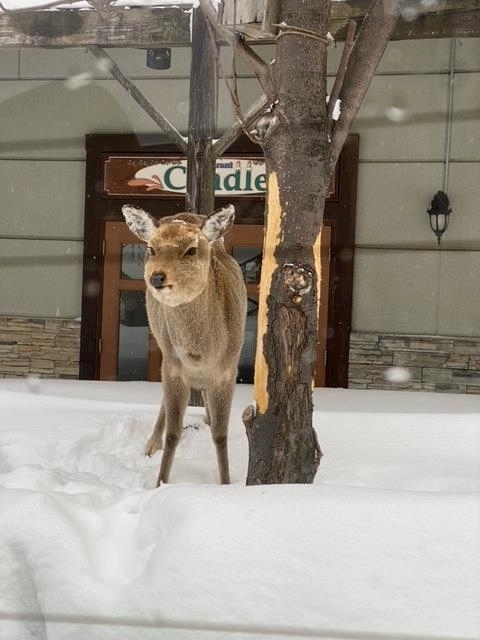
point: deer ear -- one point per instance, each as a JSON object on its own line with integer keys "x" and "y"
{"x": 141, "y": 223}
{"x": 219, "y": 223}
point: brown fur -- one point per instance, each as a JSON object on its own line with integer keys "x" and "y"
{"x": 198, "y": 320}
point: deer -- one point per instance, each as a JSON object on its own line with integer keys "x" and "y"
{"x": 196, "y": 304}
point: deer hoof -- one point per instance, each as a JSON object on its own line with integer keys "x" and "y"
{"x": 153, "y": 445}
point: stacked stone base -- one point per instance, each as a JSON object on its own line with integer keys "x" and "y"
{"x": 48, "y": 348}
{"x": 433, "y": 363}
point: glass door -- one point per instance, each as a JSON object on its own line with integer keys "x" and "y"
{"x": 128, "y": 350}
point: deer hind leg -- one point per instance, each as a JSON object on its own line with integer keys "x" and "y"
{"x": 155, "y": 442}
{"x": 176, "y": 398}
{"x": 219, "y": 402}
{"x": 207, "y": 417}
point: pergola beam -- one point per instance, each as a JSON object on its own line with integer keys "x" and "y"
{"x": 170, "y": 26}
{"x": 146, "y": 27}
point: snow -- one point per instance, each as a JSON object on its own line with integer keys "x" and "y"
{"x": 12, "y": 5}
{"x": 387, "y": 540}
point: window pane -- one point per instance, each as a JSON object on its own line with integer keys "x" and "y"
{"x": 133, "y": 256}
{"x": 133, "y": 336}
{"x": 250, "y": 261}
{"x": 247, "y": 355}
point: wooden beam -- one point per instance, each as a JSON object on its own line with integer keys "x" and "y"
{"x": 170, "y": 26}
{"x": 167, "y": 26}
{"x": 446, "y": 19}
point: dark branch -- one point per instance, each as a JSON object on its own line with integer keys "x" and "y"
{"x": 342, "y": 69}
{"x": 367, "y": 52}
{"x": 242, "y": 124}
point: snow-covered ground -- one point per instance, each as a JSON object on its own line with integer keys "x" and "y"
{"x": 386, "y": 541}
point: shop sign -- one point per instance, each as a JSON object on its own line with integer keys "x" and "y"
{"x": 167, "y": 176}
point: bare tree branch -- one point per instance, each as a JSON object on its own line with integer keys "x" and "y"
{"x": 367, "y": 52}
{"x": 258, "y": 66}
{"x": 139, "y": 98}
{"x": 342, "y": 68}
{"x": 241, "y": 125}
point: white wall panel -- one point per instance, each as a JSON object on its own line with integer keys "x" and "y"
{"x": 422, "y": 100}
{"x": 466, "y": 118}
{"x": 459, "y": 294}
{"x": 40, "y": 278}
{"x": 9, "y": 63}
{"x": 416, "y": 56}
{"x": 392, "y": 202}
{"x": 464, "y": 193}
{"x": 44, "y": 199}
{"x": 395, "y": 291}
{"x": 68, "y": 63}
{"x": 467, "y": 53}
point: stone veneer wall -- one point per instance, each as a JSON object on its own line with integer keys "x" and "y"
{"x": 434, "y": 363}
{"x": 48, "y": 348}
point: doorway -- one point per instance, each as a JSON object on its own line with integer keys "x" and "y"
{"x": 115, "y": 341}
{"x": 128, "y": 350}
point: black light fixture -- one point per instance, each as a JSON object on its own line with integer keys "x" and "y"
{"x": 439, "y": 214}
{"x": 159, "y": 58}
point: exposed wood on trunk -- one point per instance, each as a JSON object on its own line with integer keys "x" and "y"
{"x": 139, "y": 98}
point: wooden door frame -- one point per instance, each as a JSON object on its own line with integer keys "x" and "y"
{"x": 340, "y": 212}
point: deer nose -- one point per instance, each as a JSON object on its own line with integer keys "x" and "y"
{"x": 158, "y": 280}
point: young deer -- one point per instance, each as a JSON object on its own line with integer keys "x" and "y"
{"x": 196, "y": 306}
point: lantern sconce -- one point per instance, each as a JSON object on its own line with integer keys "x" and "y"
{"x": 439, "y": 214}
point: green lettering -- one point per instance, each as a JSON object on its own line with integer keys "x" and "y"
{"x": 248, "y": 180}
{"x": 236, "y": 181}
{"x": 261, "y": 182}
{"x": 167, "y": 177}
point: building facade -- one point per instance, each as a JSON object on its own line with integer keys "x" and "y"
{"x": 416, "y": 305}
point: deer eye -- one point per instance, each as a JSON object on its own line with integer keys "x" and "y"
{"x": 191, "y": 252}
{"x": 150, "y": 251}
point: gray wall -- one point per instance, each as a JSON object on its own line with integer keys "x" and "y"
{"x": 49, "y": 99}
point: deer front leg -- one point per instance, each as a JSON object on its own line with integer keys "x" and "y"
{"x": 155, "y": 441}
{"x": 175, "y": 401}
{"x": 219, "y": 402}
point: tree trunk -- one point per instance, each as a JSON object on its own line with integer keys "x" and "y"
{"x": 282, "y": 442}
{"x": 200, "y": 196}
{"x": 202, "y": 118}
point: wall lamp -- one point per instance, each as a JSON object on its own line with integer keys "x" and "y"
{"x": 439, "y": 214}
{"x": 160, "y": 59}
